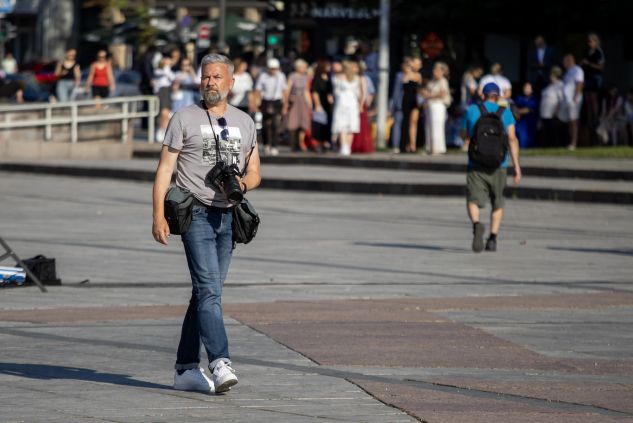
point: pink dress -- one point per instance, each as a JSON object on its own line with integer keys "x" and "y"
{"x": 299, "y": 109}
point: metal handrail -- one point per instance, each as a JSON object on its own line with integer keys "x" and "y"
{"x": 74, "y": 119}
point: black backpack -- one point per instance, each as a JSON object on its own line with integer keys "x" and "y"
{"x": 489, "y": 145}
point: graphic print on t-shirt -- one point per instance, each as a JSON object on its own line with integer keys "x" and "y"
{"x": 230, "y": 144}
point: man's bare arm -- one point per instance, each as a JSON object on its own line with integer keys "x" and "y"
{"x": 164, "y": 172}
{"x": 252, "y": 177}
{"x": 514, "y": 152}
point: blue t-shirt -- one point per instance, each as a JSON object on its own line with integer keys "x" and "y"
{"x": 472, "y": 115}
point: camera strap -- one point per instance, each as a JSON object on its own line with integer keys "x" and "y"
{"x": 215, "y": 136}
{"x": 217, "y": 143}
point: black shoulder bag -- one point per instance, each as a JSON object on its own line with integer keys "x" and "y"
{"x": 178, "y": 205}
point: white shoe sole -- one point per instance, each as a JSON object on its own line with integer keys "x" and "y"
{"x": 190, "y": 389}
{"x": 191, "y": 386}
{"x": 226, "y": 385}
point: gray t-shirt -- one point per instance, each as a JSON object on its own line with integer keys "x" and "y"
{"x": 189, "y": 131}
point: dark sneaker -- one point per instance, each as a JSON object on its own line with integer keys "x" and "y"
{"x": 478, "y": 237}
{"x": 491, "y": 244}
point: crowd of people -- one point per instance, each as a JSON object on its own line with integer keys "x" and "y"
{"x": 326, "y": 106}
{"x": 563, "y": 95}
{"x": 330, "y": 105}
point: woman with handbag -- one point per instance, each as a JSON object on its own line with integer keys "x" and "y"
{"x": 322, "y": 98}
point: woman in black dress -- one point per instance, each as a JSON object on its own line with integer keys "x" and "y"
{"x": 593, "y": 66}
{"x": 322, "y": 100}
{"x": 411, "y": 84}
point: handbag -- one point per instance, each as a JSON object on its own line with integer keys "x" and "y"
{"x": 43, "y": 268}
{"x": 178, "y": 205}
{"x": 319, "y": 116}
{"x": 245, "y": 222}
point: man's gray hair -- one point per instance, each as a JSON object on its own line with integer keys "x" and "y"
{"x": 217, "y": 58}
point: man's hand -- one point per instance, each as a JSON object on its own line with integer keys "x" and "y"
{"x": 160, "y": 230}
{"x": 517, "y": 175}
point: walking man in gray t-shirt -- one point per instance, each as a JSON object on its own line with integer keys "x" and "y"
{"x": 189, "y": 146}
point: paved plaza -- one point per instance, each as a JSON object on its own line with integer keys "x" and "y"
{"x": 345, "y": 308}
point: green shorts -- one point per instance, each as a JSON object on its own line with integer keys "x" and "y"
{"x": 482, "y": 185}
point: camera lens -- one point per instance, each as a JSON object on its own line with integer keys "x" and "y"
{"x": 232, "y": 189}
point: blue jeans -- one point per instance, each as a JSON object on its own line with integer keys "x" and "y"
{"x": 208, "y": 246}
{"x": 64, "y": 89}
{"x": 396, "y": 129}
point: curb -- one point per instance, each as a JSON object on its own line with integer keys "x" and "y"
{"x": 359, "y": 162}
{"x": 347, "y": 187}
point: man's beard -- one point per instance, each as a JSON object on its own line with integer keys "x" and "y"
{"x": 212, "y": 97}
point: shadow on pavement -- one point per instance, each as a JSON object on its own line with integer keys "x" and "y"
{"x": 412, "y": 246}
{"x": 49, "y": 372}
{"x": 617, "y": 251}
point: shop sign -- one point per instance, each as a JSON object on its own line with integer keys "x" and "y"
{"x": 331, "y": 11}
{"x": 432, "y": 45}
{"x": 204, "y": 34}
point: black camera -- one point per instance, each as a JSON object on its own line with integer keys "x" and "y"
{"x": 223, "y": 178}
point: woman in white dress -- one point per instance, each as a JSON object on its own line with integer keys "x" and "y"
{"x": 348, "y": 98}
{"x": 438, "y": 98}
{"x": 240, "y": 95}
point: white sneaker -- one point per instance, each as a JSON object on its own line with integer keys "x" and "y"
{"x": 274, "y": 151}
{"x": 223, "y": 377}
{"x": 346, "y": 150}
{"x": 266, "y": 150}
{"x": 193, "y": 380}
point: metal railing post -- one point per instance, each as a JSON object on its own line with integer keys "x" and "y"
{"x": 150, "y": 120}
{"x": 48, "y": 130}
{"x": 124, "y": 121}
{"x": 73, "y": 123}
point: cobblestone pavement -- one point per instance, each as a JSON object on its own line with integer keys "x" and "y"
{"x": 357, "y": 308}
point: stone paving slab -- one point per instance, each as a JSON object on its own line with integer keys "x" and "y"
{"x": 76, "y": 372}
{"x": 314, "y": 245}
{"x": 465, "y": 406}
{"x": 519, "y": 373}
{"x": 561, "y": 269}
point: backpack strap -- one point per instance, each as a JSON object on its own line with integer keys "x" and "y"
{"x": 500, "y": 111}
{"x": 482, "y": 109}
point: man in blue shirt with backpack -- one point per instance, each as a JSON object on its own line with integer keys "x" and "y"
{"x": 489, "y": 130}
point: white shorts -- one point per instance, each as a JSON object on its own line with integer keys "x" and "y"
{"x": 570, "y": 110}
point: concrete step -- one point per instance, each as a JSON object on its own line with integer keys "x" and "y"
{"x": 552, "y": 167}
{"x": 353, "y": 180}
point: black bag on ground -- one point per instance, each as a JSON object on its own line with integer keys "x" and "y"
{"x": 43, "y": 268}
{"x": 178, "y": 204}
{"x": 489, "y": 145}
{"x": 245, "y": 222}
